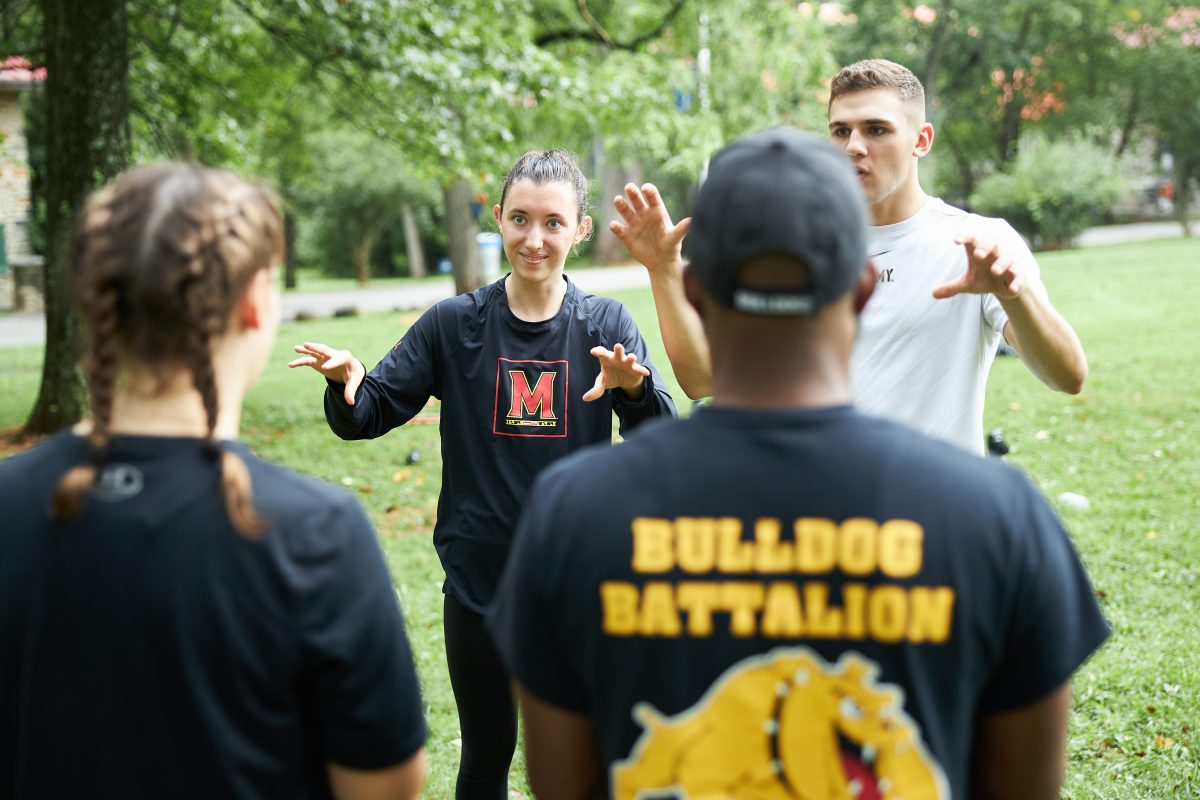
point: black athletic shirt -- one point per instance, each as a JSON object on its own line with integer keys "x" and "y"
{"x": 147, "y": 650}
{"x": 510, "y": 393}
{"x": 761, "y": 601}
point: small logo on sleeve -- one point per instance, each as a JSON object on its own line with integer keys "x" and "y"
{"x": 531, "y": 398}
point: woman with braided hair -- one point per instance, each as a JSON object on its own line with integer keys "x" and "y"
{"x": 179, "y": 618}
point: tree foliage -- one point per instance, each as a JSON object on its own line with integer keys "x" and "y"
{"x": 1162, "y": 48}
{"x": 358, "y": 110}
{"x": 353, "y": 195}
{"x": 995, "y": 72}
{"x": 1053, "y": 189}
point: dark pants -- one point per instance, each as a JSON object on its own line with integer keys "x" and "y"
{"x": 487, "y": 710}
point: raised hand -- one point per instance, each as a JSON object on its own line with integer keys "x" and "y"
{"x": 989, "y": 271}
{"x": 646, "y": 230}
{"x": 618, "y": 370}
{"x": 338, "y": 365}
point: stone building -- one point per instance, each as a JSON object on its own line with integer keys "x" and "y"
{"x": 20, "y": 273}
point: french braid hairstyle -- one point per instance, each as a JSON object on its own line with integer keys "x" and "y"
{"x": 158, "y": 259}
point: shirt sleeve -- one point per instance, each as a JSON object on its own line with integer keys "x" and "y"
{"x": 655, "y": 400}
{"x": 358, "y": 664}
{"x": 395, "y": 390}
{"x": 1014, "y": 245}
{"x": 522, "y": 618}
{"x": 1055, "y": 622}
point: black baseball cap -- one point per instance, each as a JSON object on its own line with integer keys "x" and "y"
{"x": 778, "y": 192}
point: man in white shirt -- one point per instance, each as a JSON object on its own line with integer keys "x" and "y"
{"x": 950, "y": 284}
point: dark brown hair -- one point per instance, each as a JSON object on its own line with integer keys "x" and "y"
{"x": 158, "y": 260}
{"x": 876, "y": 73}
{"x": 550, "y": 166}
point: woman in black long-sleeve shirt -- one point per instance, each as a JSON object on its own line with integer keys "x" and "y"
{"x": 528, "y": 369}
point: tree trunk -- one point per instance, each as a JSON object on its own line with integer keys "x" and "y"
{"x": 1010, "y": 123}
{"x": 933, "y": 62}
{"x": 360, "y": 256}
{"x": 87, "y": 143}
{"x": 463, "y": 227}
{"x": 1182, "y": 180}
{"x": 412, "y": 243}
{"x": 613, "y": 177}
{"x": 1131, "y": 112}
{"x": 289, "y": 248}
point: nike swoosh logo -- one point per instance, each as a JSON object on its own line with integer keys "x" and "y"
{"x": 880, "y": 253}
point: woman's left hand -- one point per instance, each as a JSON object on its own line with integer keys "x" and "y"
{"x": 618, "y": 370}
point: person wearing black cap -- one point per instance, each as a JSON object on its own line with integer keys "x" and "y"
{"x": 781, "y": 596}
{"x": 951, "y": 285}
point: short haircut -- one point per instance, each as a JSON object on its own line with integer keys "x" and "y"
{"x": 876, "y": 73}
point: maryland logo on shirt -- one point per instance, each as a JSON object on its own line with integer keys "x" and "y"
{"x": 531, "y": 398}
{"x": 786, "y": 724}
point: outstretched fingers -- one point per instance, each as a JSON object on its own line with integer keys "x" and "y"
{"x": 337, "y": 365}
{"x": 618, "y": 370}
{"x": 989, "y": 270}
{"x": 628, "y": 361}
{"x": 636, "y": 197}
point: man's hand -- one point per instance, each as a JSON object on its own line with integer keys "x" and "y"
{"x": 337, "y": 365}
{"x": 646, "y": 229}
{"x": 618, "y": 370}
{"x": 989, "y": 271}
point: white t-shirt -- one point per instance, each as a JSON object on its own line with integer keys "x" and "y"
{"x": 921, "y": 361}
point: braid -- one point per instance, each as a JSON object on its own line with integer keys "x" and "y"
{"x": 208, "y": 301}
{"x": 161, "y": 256}
{"x": 99, "y": 296}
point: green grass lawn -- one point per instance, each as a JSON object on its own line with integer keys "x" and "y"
{"x": 1129, "y": 444}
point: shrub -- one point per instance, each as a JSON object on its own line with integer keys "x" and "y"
{"x": 1053, "y": 190}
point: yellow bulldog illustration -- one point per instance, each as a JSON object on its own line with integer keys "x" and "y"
{"x": 789, "y": 726}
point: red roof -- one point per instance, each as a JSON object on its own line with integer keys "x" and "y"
{"x": 18, "y": 72}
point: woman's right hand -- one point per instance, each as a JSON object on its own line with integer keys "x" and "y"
{"x": 337, "y": 365}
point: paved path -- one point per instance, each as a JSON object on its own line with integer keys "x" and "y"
{"x": 1137, "y": 232}
{"x": 26, "y": 329}
{"x": 325, "y": 304}
{"x": 18, "y": 329}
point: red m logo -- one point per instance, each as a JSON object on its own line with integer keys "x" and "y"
{"x": 539, "y": 400}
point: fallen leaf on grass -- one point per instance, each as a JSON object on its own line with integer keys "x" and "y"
{"x": 1163, "y": 741}
{"x": 401, "y": 475}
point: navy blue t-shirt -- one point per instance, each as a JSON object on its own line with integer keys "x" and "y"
{"x": 147, "y": 650}
{"x": 753, "y": 602}
{"x": 510, "y": 393}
